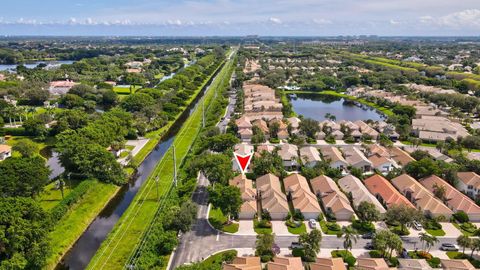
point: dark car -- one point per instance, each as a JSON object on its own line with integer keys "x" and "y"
{"x": 369, "y": 235}
{"x": 369, "y": 246}
{"x": 296, "y": 245}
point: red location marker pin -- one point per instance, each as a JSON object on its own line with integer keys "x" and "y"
{"x": 243, "y": 161}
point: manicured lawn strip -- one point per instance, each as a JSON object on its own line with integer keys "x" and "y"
{"x": 52, "y": 196}
{"x": 462, "y": 230}
{"x": 259, "y": 230}
{"x": 126, "y": 90}
{"x": 156, "y": 136}
{"x": 326, "y": 230}
{"x": 297, "y": 230}
{"x": 216, "y": 261}
{"x": 218, "y": 220}
{"x": 436, "y": 232}
{"x": 74, "y": 223}
{"x": 384, "y": 110}
{"x": 116, "y": 249}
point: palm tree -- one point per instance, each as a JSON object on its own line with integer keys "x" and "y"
{"x": 464, "y": 242}
{"x": 428, "y": 240}
{"x": 474, "y": 245}
{"x": 350, "y": 236}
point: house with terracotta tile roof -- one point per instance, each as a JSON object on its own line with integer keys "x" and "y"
{"x": 421, "y": 197}
{"x": 57, "y": 88}
{"x": 244, "y": 263}
{"x": 328, "y": 264}
{"x": 282, "y": 128}
{"x": 385, "y": 192}
{"x": 285, "y": 263}
{"x": 469, "y": 183}
{"x": 413, "y": 264}
{"x": 309, "y": 156}
{"x": 454, "y": 199}
{"x": 271, "y": 196}
{"x": 303, "y": 200}
{"x": 334, "y": 201}
{"x": 334, "y": 156}
{"x": 5, "y": 151}
{"x": 400, "y": 156}
{"x": 337, "y": 134}
{"x": 382, "y": 164}
{"x": 289, "y": 154}
{"x": 366, "y": 129}
{"x": 371, "y": 264}
{"x": 457, "y": 265}
{"x": 357, "y": 159}
{"x": 244, "y": 128}
{"x": 249, "y": 196}
{"x": 242, "y": 149}
{"x": 262, "y": 125}
{"x": 354, "y": 186}
{"x": 294, "y": 122}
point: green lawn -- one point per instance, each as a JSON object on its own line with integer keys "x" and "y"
{"x": 159, "y": 76}
{"x": 259, "y": 230}
{"x": 439, "y": 232}
{"x": 126, "y": 90}
{"x": 122, "y": 240}
{"x": 297, "y": 230}
{"x": 216, "y": 261}
{"x": 218, "y": 220}
{"x": 51, "y": 196}
{"x": 462, "y": 230}
{"x": 326, "y": 230}
{"x": 76, "y": 221}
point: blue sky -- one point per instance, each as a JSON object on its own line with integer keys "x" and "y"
{"x": 240, "y": 17}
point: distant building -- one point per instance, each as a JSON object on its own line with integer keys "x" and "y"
{"x": 58, "y": 88}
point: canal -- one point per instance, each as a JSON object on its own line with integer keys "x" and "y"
{"x": 316, "y": 106}
{"x": 86, "y": 246}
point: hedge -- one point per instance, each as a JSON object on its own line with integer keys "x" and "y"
{"x": 13, "y": 131}
{"x": 73, "y": 197}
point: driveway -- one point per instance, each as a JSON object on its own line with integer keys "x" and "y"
{"x": 309, "y": 229}
{"x": 450, "y": 230}
{"x": 279, "y": 227}
{"x": 246, "y": 228}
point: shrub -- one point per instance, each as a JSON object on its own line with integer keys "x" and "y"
{"x": 333, "y": 226}
{"x": 393, "y": 261}
{"x": 298, "y": 252}
{"x": 424, "y": 255}
{"x": 461, "y": 217}
{"x": 298, "y": 215}
{"x": 433, "y": 224}
{"x": 13, "y": 131}
{"x": 73, "y": 197}
{"x": 266, "y": 258}
{"x": 264, "y": 224}
{"x": 320, "y": 217}
{"x": 290, "y": 224}
{"x": 434, "y": 262}
{"x": 468, "y": 227}
{"x": 363, "y": 226}
{"x": 375, "y": 254}
{"x": 350, "y": 260}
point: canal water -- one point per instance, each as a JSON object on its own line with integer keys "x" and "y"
{"x": 50, "y": 64}
{"x": 87, "y": 245}
{"x": 316, "y": 106}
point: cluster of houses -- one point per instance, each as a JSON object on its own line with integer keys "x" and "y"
{"x": 335, "y": 198}
{"x": 260, "y": 102}
{"x": 295, "y": 263}
{"x": 136, "y": 66}
{"x": 59, "y": 88}
{"x": 368, "y": 158}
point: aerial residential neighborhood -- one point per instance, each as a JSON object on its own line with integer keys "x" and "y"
{"x": 240, "y": 135}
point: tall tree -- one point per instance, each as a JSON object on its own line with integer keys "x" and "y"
{"x": 226, "y": 198}
{"x": 24, "y": 177}
{"x": 464, "y": 241}
{"x": 311, "y": 244}
{"x": 349, "y": 235}
{"x": 368, "y": 212}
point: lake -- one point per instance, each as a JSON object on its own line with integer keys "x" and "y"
{"x": 50, "y": 65}
{"x": 315, "y": 106}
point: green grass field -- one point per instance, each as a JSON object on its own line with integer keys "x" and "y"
{"x": 74, "y": 223}
{"x": 126, "y": 90}
{"x": 259, "y": 230}
{"x": 297, "y": 230}
{"x": 436, "y": 232}
{"x": 122, "y": 240}
{"x": 51, "y": 196}
{"x": 218, "y": 220}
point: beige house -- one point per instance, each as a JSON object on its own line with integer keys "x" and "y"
{"x": 457, "y": 265}
{"x": 437, "y": 128}
{"x": 271, "y": 196}
{"x": 335, "y": 157}
{"x": 309, "y": 156}
{"x": 289, "y": 154}
{"x": 412, "y": 264}
{"x": 357, "y": 159}
{"x": 249, "y": 196}
{"x": 354, "y": 186}
{"x": 382, "y": 164}
{"x": 328, "y": 264}
{"x": 294, "y": 122}
{"x": 333, "y": 199}
{"x": 419, "y": 196}
{"x": 454, "y": 199}
{"x": 244, "y": 128}
{"x": 371, "y": 264}
{"x": 469, "y": 183}
{"x": 241, "y": 149}
{"x": 244, "y": 263}
{"x": 296, "y": 186}
{"x": 285, "y": 263}
{"x": 366, "y": 129}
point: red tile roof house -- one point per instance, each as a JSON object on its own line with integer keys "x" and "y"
{"x": 249, "y": 196}
{"x": 469, "y": 183}
{"x": 333, "y": 199}
{"x": 60, "y": 87}
{"x": 303, "y": 200}
{"x": 285, "y": 263}
{"x": 385, "y": 192}
{"x": 244, "y": 263}
{"x": 455, "y": 200}
{"x": 422, "y": 198}
{"x": 271, "y": 196}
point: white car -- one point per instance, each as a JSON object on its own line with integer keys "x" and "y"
{"x": 417, "y": 226}
{"x": 449, "y": 247}
{"x": 312, "y": 223}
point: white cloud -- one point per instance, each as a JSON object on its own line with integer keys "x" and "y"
{"x": 322, "y": 21}
{"x": 466, "y": 18}
{"x": 275, "y": 20}
{"x": 394, "y": 22}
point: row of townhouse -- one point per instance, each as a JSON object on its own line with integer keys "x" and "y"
{"x": 437, "y": 128}
{"x": 260, "y": 102}
{"x": 375, "y": 157}
{"x": 246, "y": 125}
{"x": 419, "y": 194}
{"x": 358, "y": 129}
{"x": 295, "y": 263}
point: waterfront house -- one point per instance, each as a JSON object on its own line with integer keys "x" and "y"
{"x": 271, "y": 196}
{"x": 422, "y": 198}
{"x": 359, "y": 193}
{"x": 334, "y": 201}
{"x": 385, "y": 192}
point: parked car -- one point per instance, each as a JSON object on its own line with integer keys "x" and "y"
{"x": 368, "y": 235}
{"x": 417, "y": 226}
{"x": 369, "y": 246}
{"x": 296, "y": 245}
{"x": 448, "y": 247}
{"x": 312, "y": 223}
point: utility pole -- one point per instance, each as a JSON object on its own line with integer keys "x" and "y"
{"x": 203, "y": 115}
{"x": 156, "y": 181}
{"x": 174, "y": 167}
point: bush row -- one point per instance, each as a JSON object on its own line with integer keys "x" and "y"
{"x": 73, "y": 197}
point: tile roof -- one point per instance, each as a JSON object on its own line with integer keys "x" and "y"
{"x": 288, "y": 151}
{"x": 309, "y": 154}
{"x": 248, "y": 193}
{"x": 469, "y": 179}
{"x": 285, "y": 263}
{"x": 244, "y": 263}
{"x": 302, "y": 198}
{"x": 331, "y": 196}
{"x": 457, "y": 265}
{"x": 273, "y": 199}
{"x": 378, "y": 185}
{"x": 371, "y": 264}
{"x": 328, "y": 264}
{"x": 353, "y": 185}
{"x": 4, "y": 148}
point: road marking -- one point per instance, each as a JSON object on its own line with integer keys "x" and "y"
{"x": 218, "y": 236}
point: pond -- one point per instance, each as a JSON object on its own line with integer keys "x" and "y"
{"x": 50, "y": 65}
{"x": 52, "y": 162}
{"x": 316, "y": 106}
